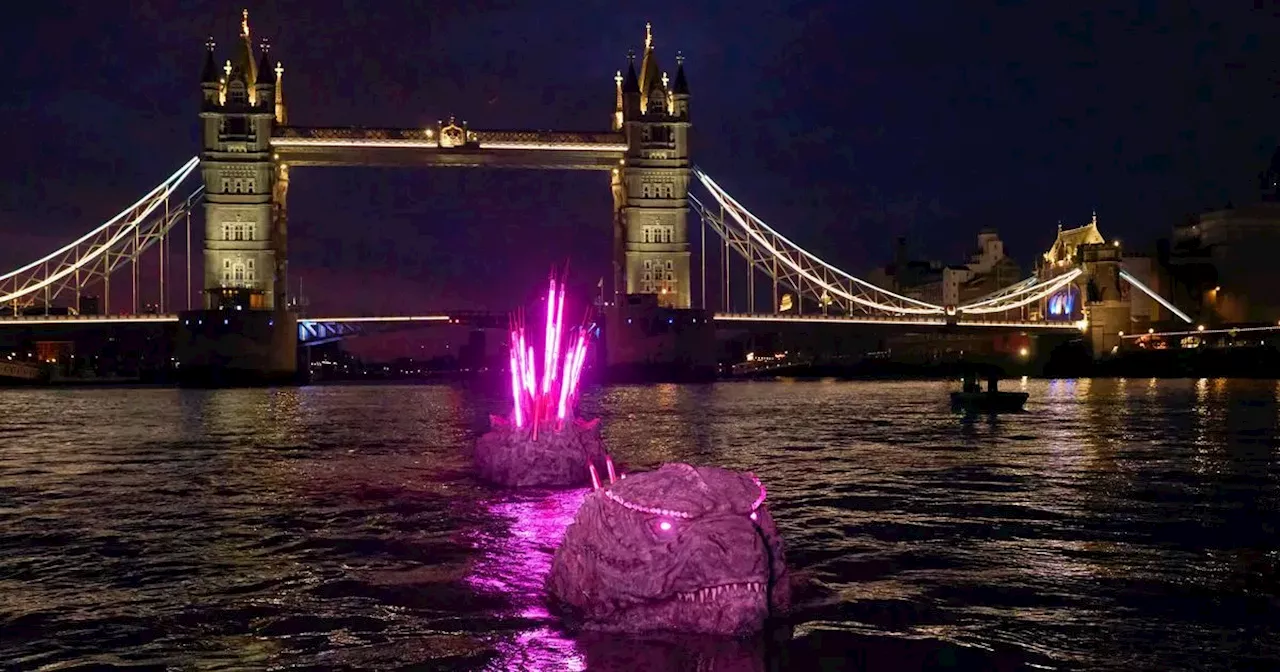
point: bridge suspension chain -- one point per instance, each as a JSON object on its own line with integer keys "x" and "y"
{"x": 93, "y": 257}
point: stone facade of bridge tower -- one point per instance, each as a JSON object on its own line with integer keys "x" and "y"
{"x": 245, "y": 332}
{"x": 1106, "y": 306}
{"x": 652, "y": 236}
{"x": 237, "y": 114}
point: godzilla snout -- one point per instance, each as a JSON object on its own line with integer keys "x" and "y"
{"x": 733, "y": 556}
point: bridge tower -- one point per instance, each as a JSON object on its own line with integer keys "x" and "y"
{"x": 1106, "y": 305}
{"x": 651, "y": 331}
{"x": 245, "y": 333}
{"x": 244, "y": 265}
{"x": 651, "y": 244}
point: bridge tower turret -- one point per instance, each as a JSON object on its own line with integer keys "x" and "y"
{"x": 211, "y": 81}
{"x": 654, "y": 243}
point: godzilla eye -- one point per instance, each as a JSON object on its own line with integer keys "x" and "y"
{"x": 662, "y": 526}
{"x": 754, "y": 516}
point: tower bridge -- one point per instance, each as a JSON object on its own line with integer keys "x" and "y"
{"x": 249, "y": 151}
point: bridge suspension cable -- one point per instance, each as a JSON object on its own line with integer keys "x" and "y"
{"x": 791, "y": 265}
{"x": 1128, "y": 277}
{"x": 788, "y": 264}
{"x": 1023, "y": 296}
{"x": 92, "y": 257}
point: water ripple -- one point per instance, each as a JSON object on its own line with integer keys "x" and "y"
{"x": 1119, "y": 524}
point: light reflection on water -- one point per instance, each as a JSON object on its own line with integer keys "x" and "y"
{"x": 1125, "y": 524}
{"x": 512, "y": 563}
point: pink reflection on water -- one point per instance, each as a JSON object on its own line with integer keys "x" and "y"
{"x": 512, "y": 561}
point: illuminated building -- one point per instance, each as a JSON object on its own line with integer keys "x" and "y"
{"x": 1066, "y": 246}
{"x": 1225, "y": 259}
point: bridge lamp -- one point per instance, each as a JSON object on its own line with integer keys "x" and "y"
{"x": 1116, "y": 243}
{"x": 1022, "y": 352}
{"x": 1151, "y": 330}
{"x": 1122, "y": 334}
{"x": 1200, "y": 327}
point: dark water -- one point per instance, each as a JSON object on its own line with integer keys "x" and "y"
{"x": 1118, "y": 525}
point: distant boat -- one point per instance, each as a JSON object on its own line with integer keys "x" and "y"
{"x": 974, "y": 399}
{"x": 989, "y": 402}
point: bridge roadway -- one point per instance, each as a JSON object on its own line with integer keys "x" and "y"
{"x": 311, "y": 327}
{"x": 918, "y": 321}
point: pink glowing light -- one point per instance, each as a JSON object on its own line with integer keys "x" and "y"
{"x": 565, "y": 386}
{"x": 665, "y": 526}
{"x": 550, "y": 343}
{"x": 754, "y": 516}
{"x": 608, "y": 463}
{"x": 511, "y": 559}
{"x": 553, "y": 397}
{"x": 760, "y": 499}
{"x": 595, "y": 477}
{"x": 666, "y": 513}
{"x": 515, "y": 390}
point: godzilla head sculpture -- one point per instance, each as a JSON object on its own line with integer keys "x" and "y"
{"x": 681, "y": 548}
{"x": 543, "y": 443}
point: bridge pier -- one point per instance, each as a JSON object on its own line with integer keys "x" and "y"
{"x": 236, "y": 348}
{"x": 646, "y": 342}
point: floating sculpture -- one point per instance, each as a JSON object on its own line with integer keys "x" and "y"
{"x": 543, "y": 443}
{"x": 681, "y": 548}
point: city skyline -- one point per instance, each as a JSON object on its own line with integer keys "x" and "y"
{"x": 363, "y": 237}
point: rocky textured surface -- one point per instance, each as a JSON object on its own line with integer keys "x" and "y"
{"x": 509, "y": 456}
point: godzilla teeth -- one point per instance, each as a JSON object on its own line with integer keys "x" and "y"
{"x": 714, "y": 592}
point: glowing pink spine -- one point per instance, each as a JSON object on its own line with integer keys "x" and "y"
{"x": 578, "y": 358}
{"x": 515, "y": 387}
{"x": 544, "y": 398}
{"x": 556, "y": 337}
{"x": 566, "y": 384}
{"x": 530, "y": 384}
{"x": 549, "y": 344}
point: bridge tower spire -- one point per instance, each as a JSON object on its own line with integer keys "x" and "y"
{"x": 654, "y": 235}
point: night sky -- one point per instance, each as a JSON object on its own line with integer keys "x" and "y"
{"x": 842, "y": 124}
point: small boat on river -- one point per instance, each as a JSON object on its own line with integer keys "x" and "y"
{"x": 974, "y": 399}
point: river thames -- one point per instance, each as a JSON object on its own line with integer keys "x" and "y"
{"x": 1118, "y": 524}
